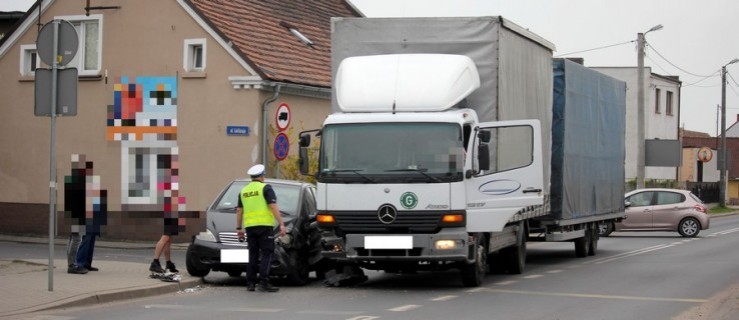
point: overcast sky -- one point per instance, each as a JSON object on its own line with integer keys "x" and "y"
{"x": 695, "y": 42}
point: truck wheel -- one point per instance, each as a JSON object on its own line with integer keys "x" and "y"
{"x": 194, "y": 268}
{"x": 299, "y": 271}
{"x": 514, "y": 258}
{"x": 594, "y": 235}
{"x": 582, "y": 244}
{"x": 473, "y": 274}
{"x": 605, "y": 228}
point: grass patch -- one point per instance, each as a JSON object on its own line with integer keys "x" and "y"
{"x": 720, "y": 209}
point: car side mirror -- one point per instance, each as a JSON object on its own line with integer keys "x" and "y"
{"x": 627, "y": 204}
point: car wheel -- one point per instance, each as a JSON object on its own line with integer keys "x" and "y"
{"x": 689, "y": 227}
{"x": 605, "y": 228}
{"x": 234, "y": 273}
{"x": 299, "y": 270}
{"x": 194, "y": 268}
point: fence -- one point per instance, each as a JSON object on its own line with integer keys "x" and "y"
{"x": 706, "y": 191}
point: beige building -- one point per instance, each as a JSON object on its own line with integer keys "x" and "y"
{"x": 175, "y": 98}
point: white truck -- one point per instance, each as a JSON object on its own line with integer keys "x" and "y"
{"x": 454, "y": 141}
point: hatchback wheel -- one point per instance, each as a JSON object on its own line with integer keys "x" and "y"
{"x": 689, "y": 227}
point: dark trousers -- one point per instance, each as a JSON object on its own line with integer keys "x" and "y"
{"x": 84, "y": 252}
{"x": 261, "y": 249}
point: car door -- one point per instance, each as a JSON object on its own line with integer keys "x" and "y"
{"x": 667, "y": 209}
{"x": 639, "y": 213}
{"x": 505, "y": 174}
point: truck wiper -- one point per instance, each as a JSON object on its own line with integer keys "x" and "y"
{"x": 356, "y": 171}
{"x": 421, "y": 171}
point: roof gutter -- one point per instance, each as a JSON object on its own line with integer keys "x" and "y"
{"x": 265, "y": 105}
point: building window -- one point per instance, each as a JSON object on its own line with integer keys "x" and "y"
{"x": 194, "y": 55}
{"x": 89, "y": 53}
{"x": 657, "y": 94}
{"x": 29, "y": 60}
{"x": 668, "y": 103}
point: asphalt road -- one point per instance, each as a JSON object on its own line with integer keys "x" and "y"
{"x": 634, "y": 276}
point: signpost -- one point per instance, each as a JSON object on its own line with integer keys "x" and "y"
{"x": 57, "y": 45}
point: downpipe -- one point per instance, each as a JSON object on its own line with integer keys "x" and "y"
{"x": 265, "y": 105}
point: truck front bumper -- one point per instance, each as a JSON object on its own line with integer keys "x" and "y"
{"x": 446, "y": 245}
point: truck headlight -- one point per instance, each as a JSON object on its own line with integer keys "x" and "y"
{"x": 448, "y": 244}
{"x": 206, "y": 236}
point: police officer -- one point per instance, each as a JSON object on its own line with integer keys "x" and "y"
{"x": 257, "y": 213}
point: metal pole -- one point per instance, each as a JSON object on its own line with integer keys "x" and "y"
{"x": 640, "y": 113}
{"x": 724, "y": 165}
{"x": 52, "y": 155}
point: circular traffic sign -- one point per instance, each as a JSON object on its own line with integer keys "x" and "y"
{"x": 705, "y": 154}
{"x": 282, "y": 146}
{"x": 282, "y": 116}
{"x": 67, "y": 42}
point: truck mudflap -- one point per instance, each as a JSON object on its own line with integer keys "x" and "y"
{"x": 443, "y": 246}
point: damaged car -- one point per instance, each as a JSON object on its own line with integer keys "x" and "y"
{"x": 297, "y": 253}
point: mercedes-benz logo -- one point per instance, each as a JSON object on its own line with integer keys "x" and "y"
{"x": 387, "y": 214}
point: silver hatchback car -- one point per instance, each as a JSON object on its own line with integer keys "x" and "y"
{"x": 661, "y": 210}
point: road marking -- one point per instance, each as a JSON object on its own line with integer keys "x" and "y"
{"x": 555, "y": 271}
{"x": 533, "y": 276}
{"x": 505, "y": 283}
{"x": 406, "y": 307}
{"x": 181, "y": 307}
{"x": 444, "y": 298}
{"x": 327, "y": 312}
{"x": 724, "y": 232}
{"x": 593, "y": 296}
{"x": 630, "y": 254}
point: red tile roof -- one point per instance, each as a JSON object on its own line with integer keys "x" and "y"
{"x": 254, "y": 27}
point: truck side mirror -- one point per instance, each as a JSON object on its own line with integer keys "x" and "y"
{"x": 484, "y": 136}
{"x": 483, "y": 155}
{"x": 303, "y": 162}
{"x": 304, "y": 140}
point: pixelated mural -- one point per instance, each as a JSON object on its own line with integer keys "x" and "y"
{"x": 143, "y": 118}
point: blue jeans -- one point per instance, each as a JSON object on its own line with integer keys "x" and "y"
{"x": 261, "y": 249}
{"x": 84, "y": 253}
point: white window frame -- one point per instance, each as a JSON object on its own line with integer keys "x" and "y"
{"x": 25, "y": 64}
{"x": 188, "y": 62}
{"x": 78, "y": 61}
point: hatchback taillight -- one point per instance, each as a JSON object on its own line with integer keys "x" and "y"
{"x": 700, "y": 208}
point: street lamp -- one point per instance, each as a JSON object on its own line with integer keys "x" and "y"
{"x": 640, "y": 136}
{"x": 724, "y": 165}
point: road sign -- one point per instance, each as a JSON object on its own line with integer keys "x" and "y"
{"x": 705, "y": 154}
{"x": 282, "y": 146}
{"x": 66, "y": 93}
{"x": 67, "y": 42}
{"x": 237, "y": 131}
{"x": 282, "y": 117}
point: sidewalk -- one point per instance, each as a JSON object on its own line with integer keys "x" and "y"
{"x": 25, "y": 283}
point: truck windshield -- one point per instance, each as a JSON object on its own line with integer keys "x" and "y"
{"x": 392, "y": 152}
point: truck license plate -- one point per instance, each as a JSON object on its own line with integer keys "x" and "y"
{"x": 235, "y": 255}
{"x": 388, "y": 242}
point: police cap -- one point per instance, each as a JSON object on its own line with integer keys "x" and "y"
{"x": 256, "y": 171}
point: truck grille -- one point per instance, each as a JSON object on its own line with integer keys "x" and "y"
{"x": 230, "y": 239}
{"x": 405, "y": 222}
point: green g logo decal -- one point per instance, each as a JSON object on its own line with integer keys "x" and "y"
{"x": 408, "y": 200}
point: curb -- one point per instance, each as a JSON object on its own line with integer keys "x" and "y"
{"x": 98, "y": 243}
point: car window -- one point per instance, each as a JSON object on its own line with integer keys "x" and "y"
{"x": 669, "y": 198}
{"x": 230, "y": 198}
{"x": 641, "y": 199}
{"x": 309, "y": 203}
{"x": 696, "y": 198}
{"x": 287, "y": 197}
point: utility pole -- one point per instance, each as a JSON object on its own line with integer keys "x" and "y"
{"x": 640, "y": 135}
{"x": 722, "y": 153}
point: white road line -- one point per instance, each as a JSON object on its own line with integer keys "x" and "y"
{"x": 594, "y": 296}
{"x": 724, "y": 232}
{"x": 444, "y": 298}
{"x": 636, "y": 253}
{"x": 555, "y": 271}
{"x": 505, "y": 283}
{"x": 326, "y": 312}
{"x": 627, "y": 254}
{"x": 406, "y": 307}
{"x": 182, "y": 307}
{"x": 533, "y": 276}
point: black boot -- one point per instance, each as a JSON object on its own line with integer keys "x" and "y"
{"x": 267, "y": 287}
{"x": 171, "y": 267}
{"x": 156, "y": 267}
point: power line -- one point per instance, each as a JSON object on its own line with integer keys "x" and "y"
{"x": 703, "y": 79}
{"x": 672, "y": 64}
{"x": 598, "y": 48}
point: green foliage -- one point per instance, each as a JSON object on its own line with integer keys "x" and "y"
{"x": 289, "y": 168}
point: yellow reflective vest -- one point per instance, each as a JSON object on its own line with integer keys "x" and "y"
{"x": 255, "y": 208}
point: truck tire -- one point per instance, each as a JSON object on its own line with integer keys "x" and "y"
{"x": 514, "y": 258}
{"x": 474, "y": 273}
{"x": 194, "y": 268}
{"x": 594, "y": 237}
{"x": 582, "y": 244}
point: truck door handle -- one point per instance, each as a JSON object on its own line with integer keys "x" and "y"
{"x": 529, "y": 190}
